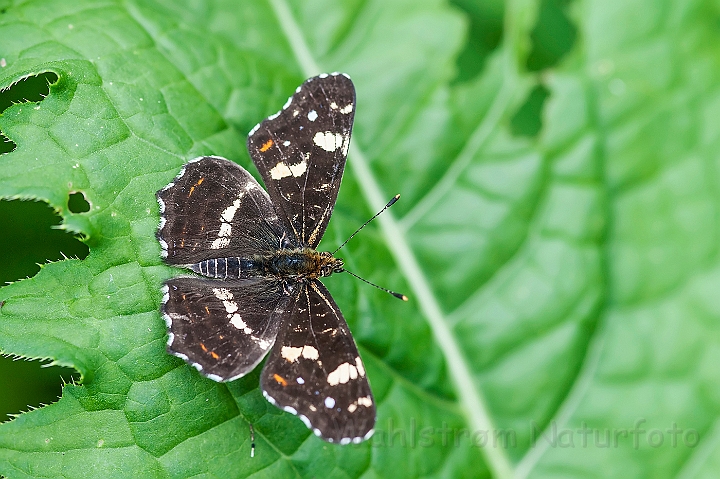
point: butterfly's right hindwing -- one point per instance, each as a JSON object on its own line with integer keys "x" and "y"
{"x": 223, "y": 328}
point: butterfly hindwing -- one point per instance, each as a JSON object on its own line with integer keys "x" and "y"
{"x": 314, "y": 370}
{"x": 223, "y": 328}
{"x": 301, "y": 152}
{"x": 214, "y": 209}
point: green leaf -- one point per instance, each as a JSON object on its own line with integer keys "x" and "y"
{"x": 559, "y": 250}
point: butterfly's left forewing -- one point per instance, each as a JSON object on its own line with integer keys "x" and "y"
{"x": 301, "y": 152}
{"x": 314, "y": 370}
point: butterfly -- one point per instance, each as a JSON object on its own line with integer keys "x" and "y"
{"x": 256, "y": 291}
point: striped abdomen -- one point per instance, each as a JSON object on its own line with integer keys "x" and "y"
{"x": 225, "y": 268}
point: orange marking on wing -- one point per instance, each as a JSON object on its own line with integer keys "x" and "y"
{"x": 214, "y": 355}
{"x": 281, "y": 380}
{"x": 198, "y": 183}
{"x": 203, "y": 347}
{"x": 207, "y": 310}
{"x": 266, "y": 146}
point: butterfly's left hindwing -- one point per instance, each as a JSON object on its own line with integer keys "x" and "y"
{"x": 215, "y": 209}
{"x": 314, "y": 370}
{"x": 301, "y": 151}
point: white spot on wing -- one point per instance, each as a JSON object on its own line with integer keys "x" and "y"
{"x": 238, "y": 322}
{"x": 347, "y": 109}
{"x": 281, "y": 170}
{"x": 229, "y": 213}
{"x": 309, "y": 352}
{"x": 344, "y": 373}
{"x": 222, "y": 294}
{"x": 312, "y": 116}
{"x": 225, "y": 230}
{"x": 328, "y": 140}
{"x": 329, "y": 402}
{"x": 220, "y": 242}
{"x": 359, "y": 366}
{"x": 230, "y": 307}
{"x": 290, "y": 353}
{"x": 299, "y": 169}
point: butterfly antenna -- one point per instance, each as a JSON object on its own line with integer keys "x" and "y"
{"x": 390, "y": 203}
{"x": 397, "y": 295}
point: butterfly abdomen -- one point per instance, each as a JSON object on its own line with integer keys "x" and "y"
{"x": 285, "y": 263}
{"x": 232, "y": 268}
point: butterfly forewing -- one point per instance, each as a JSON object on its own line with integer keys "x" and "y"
{"x": 314, "y": 370}
{"x": 215, "y": 209}
{"x": 223, "y": 328}
{"x": 301, "y": 151}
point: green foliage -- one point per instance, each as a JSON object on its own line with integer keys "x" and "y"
{"x": 557, "y": 233}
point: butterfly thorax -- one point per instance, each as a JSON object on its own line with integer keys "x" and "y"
{"x": 296, "y": 264}
{"x": 301, "y": 263}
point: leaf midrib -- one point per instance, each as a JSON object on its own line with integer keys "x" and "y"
{"x": 470, "y": 398}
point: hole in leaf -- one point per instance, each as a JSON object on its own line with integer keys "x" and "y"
{"x": 6, "y": 144}
{"x": 30, "y": 89}
{"x": 484, "y": 35}
{"x": 29, "y": 235}
{"x": 28, "y": 384}
{"x": 527, "y": 121}
{"x": 553, "y": 36}
{"x": 77, "y": 203}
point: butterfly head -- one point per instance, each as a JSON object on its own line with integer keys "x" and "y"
{"x": 330, "y": 264}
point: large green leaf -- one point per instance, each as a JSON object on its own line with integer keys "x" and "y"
{"x": 563, "y": 314}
